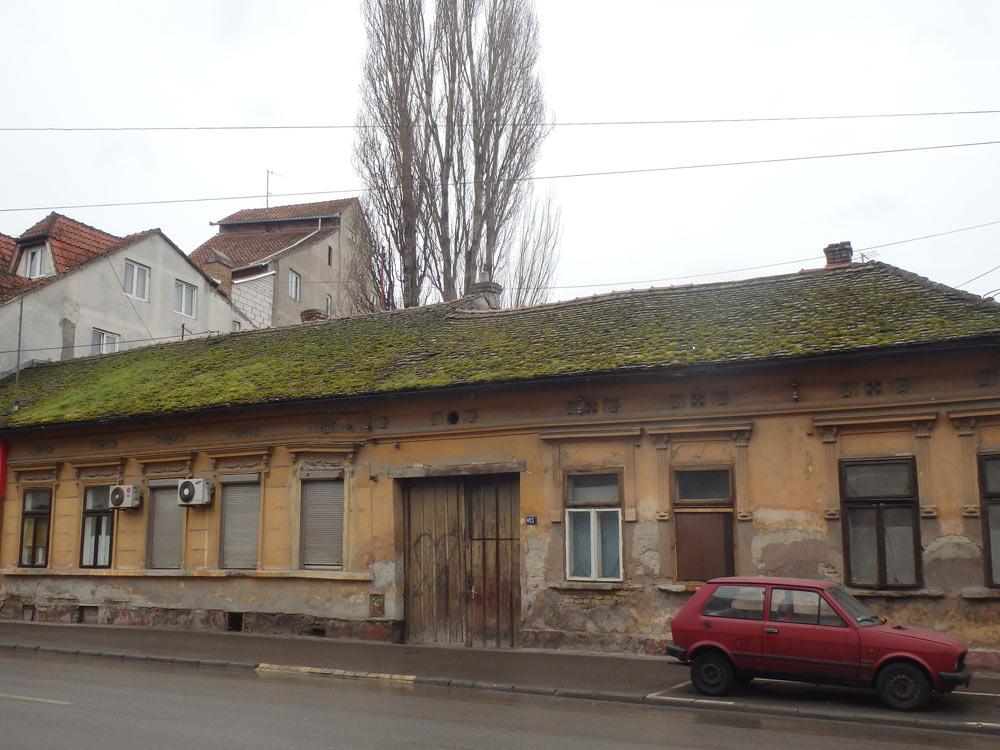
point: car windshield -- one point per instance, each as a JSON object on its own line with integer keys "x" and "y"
{"x": 861, "y": 614}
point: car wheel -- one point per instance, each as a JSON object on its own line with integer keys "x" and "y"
{"x": 712, "y": 673}
{"x": 903, "y": 687}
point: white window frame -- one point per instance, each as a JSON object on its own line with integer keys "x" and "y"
{"x": 108, "y": 343}
{"x": 183, "y": 286}
{"x": 129, "y": 280}
{"x": 595, "y": 544}
{"x": 329, "y": 306}
{"x": 294, "y": 285}
{"x": 33, "y": 262}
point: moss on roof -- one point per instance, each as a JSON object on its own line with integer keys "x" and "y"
{"x": 855, "y": 309}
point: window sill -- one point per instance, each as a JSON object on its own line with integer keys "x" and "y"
{"x": 926, "y": 593}
{"x": 979, "y": 592}
{"x": 594, "y": 586}
{"x": 679, "y": 588}
{"x": 329, "y": 575}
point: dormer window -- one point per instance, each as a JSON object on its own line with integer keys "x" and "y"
{"x": 33, "y": 262}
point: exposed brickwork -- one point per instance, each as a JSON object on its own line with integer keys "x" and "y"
{"x": 262, "y": 623}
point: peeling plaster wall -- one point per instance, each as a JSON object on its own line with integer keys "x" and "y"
{"x": 782, "y": 443}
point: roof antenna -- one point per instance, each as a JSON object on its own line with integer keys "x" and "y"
{"x": 267, "y": 189}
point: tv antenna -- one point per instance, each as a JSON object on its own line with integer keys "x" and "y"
{"x": 267, "y": 188}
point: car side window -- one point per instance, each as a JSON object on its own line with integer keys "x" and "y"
{"x": 802, "y": 607}
{"x": 738, "y": 602}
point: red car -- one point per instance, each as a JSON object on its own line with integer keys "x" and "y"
{"x": 735, "y": 629}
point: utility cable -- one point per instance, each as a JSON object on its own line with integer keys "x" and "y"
{"x": 553, "y": 124}
{"x": 644, "y": 170}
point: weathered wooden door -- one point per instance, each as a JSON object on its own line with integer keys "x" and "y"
{"x": 493, "y": 570}
{"x": 462, "y": 561}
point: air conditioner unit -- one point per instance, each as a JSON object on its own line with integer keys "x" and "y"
{"x": 194, "y": 492}
{"x": 125, "y": 496}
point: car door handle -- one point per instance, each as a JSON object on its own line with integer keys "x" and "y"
{"x": 770, "y": 630}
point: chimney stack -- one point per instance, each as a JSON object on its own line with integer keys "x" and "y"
{"x": 489, "y": 292}
{"x": 312, "y": 315}
{"x": 838, "y": 255}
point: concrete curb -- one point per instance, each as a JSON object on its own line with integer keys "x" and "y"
{"x": 126, "y": 656}
{"x": 651, "y": 699}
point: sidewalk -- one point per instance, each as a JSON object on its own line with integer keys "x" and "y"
{"x": 633, "y": 679}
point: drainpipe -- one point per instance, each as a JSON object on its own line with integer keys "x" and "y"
{"x": 4, "y": 451}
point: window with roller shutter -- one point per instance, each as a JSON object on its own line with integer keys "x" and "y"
{"x": 322, "y": 523}
{"x": 166, "y": 524}
{"x": 240, "y": 524}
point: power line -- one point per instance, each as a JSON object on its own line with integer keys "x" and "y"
{"x": 567, "y": 175}
{"x": 579, "y": 123}
{"x": 976, "y": 278}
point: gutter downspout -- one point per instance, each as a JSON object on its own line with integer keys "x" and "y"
{"x": 4, "y": 452}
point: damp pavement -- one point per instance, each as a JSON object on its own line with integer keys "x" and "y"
{"x": 649, "y": 680}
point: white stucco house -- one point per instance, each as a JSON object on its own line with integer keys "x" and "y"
{"x": 276, "y": 263}
{"x": 69, "y": 290}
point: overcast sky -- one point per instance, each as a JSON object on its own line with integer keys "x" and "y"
{"x": 90, "y": 63}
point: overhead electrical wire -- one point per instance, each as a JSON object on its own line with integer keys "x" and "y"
{"x": 554, "y": 124}
{"x": 643, "y": 170}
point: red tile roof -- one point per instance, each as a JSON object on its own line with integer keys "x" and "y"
{"x": 296, "y": 211}
{"x": 254, "y": 247}
{"x": 12, "y": 285}
{"x": 7, "y": 245}
{"x": 72, "y": 242}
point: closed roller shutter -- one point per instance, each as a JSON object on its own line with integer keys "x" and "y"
{"x": 168, "y": 528}
{"x": 240, "y": 516}
{"x": 323, "y": 522}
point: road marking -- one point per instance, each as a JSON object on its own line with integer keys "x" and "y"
{"x": 984, "y": 695}
{"x": 675, "y": 687}
{"x": 35, "y": 700}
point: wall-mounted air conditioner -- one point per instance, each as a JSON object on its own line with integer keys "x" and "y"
{"x": 125, "y": 496}
{"x": 194, "y": 492}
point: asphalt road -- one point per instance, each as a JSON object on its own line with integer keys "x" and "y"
{"x": 53, "y": 701}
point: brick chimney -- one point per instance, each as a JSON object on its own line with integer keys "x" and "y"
{"x": 838, "y": 255}
{"x": 488, "y": 293}
{"x": 312, "y": 315}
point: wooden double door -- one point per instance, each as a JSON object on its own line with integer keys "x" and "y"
{"x": 462, "y": 560}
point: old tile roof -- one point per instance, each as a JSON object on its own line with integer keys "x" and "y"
{"x": 7, "y": 245}
{"x": 864, "y": 308}
{"x": 296, "y": 211}
{"x": 254, "y": 247}
{"x": 73, "y": 242}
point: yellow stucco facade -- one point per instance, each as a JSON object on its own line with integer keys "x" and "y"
{"x": 780, "y": 436}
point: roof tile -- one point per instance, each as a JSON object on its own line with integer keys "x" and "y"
{"x": 296, "y": 211}
{"x": 72, "y": 242}
{"x": 253, "y": 247}
{"x": 865, "y": 308}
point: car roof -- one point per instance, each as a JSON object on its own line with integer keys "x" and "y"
{"x": 761, "y": 580}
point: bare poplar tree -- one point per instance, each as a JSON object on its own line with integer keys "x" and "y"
{"x": 451, "y": 127}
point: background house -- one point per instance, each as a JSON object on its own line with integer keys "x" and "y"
{"x": 69, "y": 290}
{"x": 557, "y": 476}
{"x": 277, "y": 262}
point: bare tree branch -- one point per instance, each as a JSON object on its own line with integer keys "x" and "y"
{"x": 451, "y": 115}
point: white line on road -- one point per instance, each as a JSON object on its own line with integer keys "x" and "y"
{"x": 969, "y": 692}
{"x": 34, "y": 700}
{"x": 675, "y": 687}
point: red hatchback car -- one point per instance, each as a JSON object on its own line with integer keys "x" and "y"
{"x": 735, "y": 629}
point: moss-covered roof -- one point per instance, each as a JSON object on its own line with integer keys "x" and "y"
{"x": 855, "y": 309}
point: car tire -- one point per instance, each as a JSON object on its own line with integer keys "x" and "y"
{"x": 712, "y": 673}
{"x": 903, "y": 687}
